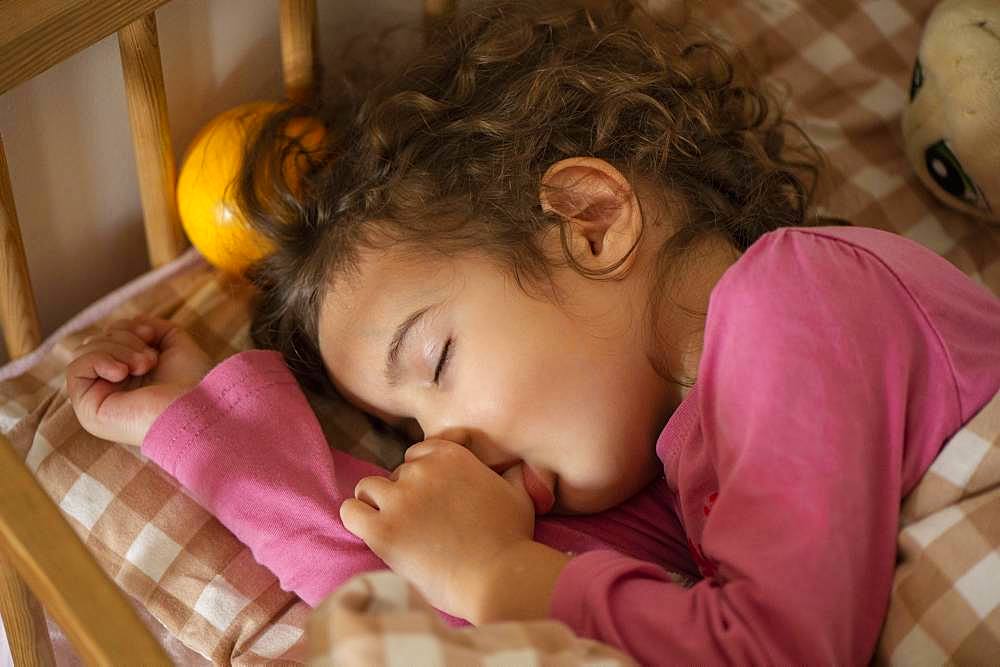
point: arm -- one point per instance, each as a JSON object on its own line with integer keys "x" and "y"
{"x": 247, "y": 446}
{"x": 805, "y": 427}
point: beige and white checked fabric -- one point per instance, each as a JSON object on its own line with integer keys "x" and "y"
{"x": 379, "y": 619}
{"x": 845, "y": 65}
{"x": 945, "y": 606}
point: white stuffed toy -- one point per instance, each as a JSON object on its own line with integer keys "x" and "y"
{"x": 951, "y": 128}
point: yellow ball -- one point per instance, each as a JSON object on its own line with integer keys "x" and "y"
{"x": 205, "y": 186}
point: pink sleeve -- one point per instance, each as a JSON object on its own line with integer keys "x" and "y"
{"x": 820, "y": 373}
{"x": 248, "y": 447}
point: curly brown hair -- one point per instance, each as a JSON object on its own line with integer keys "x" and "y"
{"x": 447, "y": 154}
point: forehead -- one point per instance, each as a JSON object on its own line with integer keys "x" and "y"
{"x": 362, "y": 308}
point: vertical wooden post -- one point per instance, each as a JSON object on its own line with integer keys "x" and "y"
{"x": 435, "y": 12}
{"x": 18, "y": 314}
{"x": 298, "y": 48}
{"x": 24, "y": 621}
{"x": 154, "y": 155}
{"x": 23, "y": 617}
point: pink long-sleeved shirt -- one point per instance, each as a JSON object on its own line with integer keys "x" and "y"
{"x": 836, "y": 362}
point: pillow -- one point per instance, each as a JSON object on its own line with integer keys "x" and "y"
{"x": 177, "y": 562}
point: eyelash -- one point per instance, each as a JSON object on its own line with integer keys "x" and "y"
{"x": 443, "y": 361}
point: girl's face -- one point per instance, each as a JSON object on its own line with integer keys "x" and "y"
{"x": 453, "y": 348}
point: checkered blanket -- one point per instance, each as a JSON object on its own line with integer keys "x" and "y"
{"x": 945, "y": 606}
{"x": 379, "y": 619}
{"x": 847, "y": 66}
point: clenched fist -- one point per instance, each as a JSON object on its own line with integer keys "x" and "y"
{"x": 122, "y": 379}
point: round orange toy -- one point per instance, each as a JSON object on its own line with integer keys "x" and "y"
{"x": 205, "y": 185}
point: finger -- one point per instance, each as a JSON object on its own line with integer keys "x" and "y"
{"x": 358, "y": 518}
{"x": 515, "y": 477}
{"x": 137, "y": 363}
{"x": 90, "y": 383}
{"x": 130, "y": 339}
{"x": 98, "y": 364}
{"x": 119, "y": 336}
{"x": 373, "y": 491}
{"x": 150, "y": 330}
{"x": 154, "y": 330}
{"x": 87, "y": 395}
{"x": 83, "y": 372}
{"x": 427, "y": 447}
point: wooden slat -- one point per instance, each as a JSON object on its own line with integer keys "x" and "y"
{"x": 37, "y": 34}
{"x": 154, "y": 155}
{"x": 298, "y": 48}
{"x": 18, "y": 314}
{"x": 435, "y": 11}
{"x": 89, "y": 607}
{"x": 24, "y": 621}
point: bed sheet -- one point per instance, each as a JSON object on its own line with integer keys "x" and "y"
{"x": 846, "y": 67}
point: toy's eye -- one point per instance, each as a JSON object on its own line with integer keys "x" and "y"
{"x": 947, "y": 172}
{"x": 917, "y": 80}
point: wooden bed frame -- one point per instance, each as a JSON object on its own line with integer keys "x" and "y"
{"x": 40, "y": 554}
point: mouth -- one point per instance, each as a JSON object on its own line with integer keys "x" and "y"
{"x": 541, "y": 496}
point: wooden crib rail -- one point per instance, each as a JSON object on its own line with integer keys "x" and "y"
{"x": 46, "y": 552}
{"x": 18, "y": 314}
{"x": 37, "y": 34}
{"x": 154, "y": 153}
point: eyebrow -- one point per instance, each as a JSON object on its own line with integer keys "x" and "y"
{"x": 396, "y": 345}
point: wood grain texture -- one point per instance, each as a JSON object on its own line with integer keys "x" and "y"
{"x": 297, "y": 19}
{"x": 37, "y": 34}
{"x": 154, "y": 155}
{"x": 89, "y": 607}
{"x": 18, "y": 313}
{"x": 24, "y": 621}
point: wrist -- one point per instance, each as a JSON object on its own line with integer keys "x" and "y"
{"x": 159, "y": 400}
{"x": 517, "y": 584}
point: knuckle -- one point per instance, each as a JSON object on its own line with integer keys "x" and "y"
{"x": 94, "y": 356}
{"x": 349, "y": 511}
{"x": 365, "y": 484}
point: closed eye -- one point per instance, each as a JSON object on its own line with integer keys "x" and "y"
{"x": 443, "y": 360}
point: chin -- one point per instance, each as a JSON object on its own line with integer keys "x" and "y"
{"x": 584, "y": 506}
{"x": 600, "y": 499}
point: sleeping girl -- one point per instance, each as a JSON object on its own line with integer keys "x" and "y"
{"x": 571, "y": 254}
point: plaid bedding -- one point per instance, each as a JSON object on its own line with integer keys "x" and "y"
{"x": 847, "y": 67}
{"x": 945, "y": 605}
{"x": 378, "y": 618}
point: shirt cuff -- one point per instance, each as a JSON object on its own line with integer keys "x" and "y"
{"x": 178, "y": 427}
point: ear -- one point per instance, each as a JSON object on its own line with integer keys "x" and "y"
{"x": 600, "y": 212}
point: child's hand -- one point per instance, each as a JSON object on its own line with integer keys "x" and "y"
{"x": 121, "y": 380}
{"x": 440, "y": 520}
